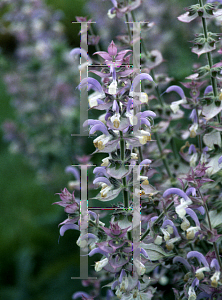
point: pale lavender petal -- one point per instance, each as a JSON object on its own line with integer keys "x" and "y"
{"x": 89, "y": 80}
{"x": 74, "y": 171}
{"x": 193, "y": 116}
{"x": 177, "y": 89}
{"x": 220, "y": 160}
{"x": 205, "y": 149}
{"x": 89, "y": 236}
{"x": 179, "y": 192}
{"x": 215, "y": 264}
{"x": 169, "y": 222}
{"x": 143, "y": 251}
{"x": 75, "y": 51}
{"x": 91, "y": 122}
{"x": 192, "y": 149}
{"x": 191, "y": 190}
{"x": 97, "y": 250}
{"x": 147, "y": 113}
{"x": 152, "y": 220}
{"x": 99, "y": 127}
{"x": 129, "y": 104}
{"x": 92, "y": 213}
{"x": 102, "y": 179}
{"x": 67, "y": 227}
{"x": 78, "y": 51}
{"x": 201, "y": 210}
{"x": 195, "y": 282}
{"x": 121, "y": 54}
{"x": 187, "y": 18}
{"x": 115, "y": 106}
{"x": 115, "y": 283}
{"x": 139, "y": 77}
{"x": 80, "y": 294}
{"x": 112, "y": 49}
{"x": 114, "y": 2}
{"x": 208, "y": 89}
{"x": 145, "y": 162}
{"x": 99, "y": 170}
{"x": 193, "y": 215}
{"x": 104, "y": 55}
{"x": 122, "y": 274}
{"x": 183, "y": 261}
{"x": 199, "y": 256}
{"x": 145, "y": 121}
{"x": 108, "y": 114}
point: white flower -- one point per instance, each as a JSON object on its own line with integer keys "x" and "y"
{"x": 143, "y": 97}
{"x": 175, "y": 105}
{"x": 81, "y": 243}
{"x": 158, "y": 240}
{"x": 193, "y": 159}
{"x": 100, "y": 264}
{"x": 165, "y": 233}
{"x": 111, "y": 14}
{"x": 144, "y": 136}
{"x": 199, "y": 273}
{"x": 115, "y": 119}
{"x": 113, "y": 87}
{"x": 134, "y": 155}
{"x": 101, "y": 141}
{"x": 170, "y": 243}
{"x": 133, "y": 119}
{"x": 191, "y": 232}
{"x": 140, "y": 268}
{"x": 185, "y": 224}
{"x": 105, "y": 162}
{"x": 105, "y": 189}
{"x": 181, "y": 208}
{"x": 93, "y": 98}
{"x": 193, "y": 130}
{"x": 215, "y": 278}
{"x": 192, "y": 294}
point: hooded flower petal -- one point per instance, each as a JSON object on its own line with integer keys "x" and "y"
{"x": 176, "y": 191}
{"x": 199, "y": 256}
{"x": 91, "y": 81}
{"x": 177, "y": 89}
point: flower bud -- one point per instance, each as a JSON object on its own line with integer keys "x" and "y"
{"x": 158, "y": 240}
{"x": 185, "y": 224}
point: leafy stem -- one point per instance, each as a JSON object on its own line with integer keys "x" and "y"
{"x": 210, "y": 225}
{"x": 157, "y": 220}
{"x": 209, "y": 58}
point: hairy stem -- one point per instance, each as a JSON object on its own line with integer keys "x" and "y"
{"x": 210, "y": 225}
{"x": 210, "y": 60}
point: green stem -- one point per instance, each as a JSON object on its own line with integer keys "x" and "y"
{"x": 210, "y": 225}
{"x": 157, "y": 220}
{"x": 122, "y": 155}
{"x": 210, "y": 60}
{"x": 163, "y": 158}
{"x": 199, "y": 136}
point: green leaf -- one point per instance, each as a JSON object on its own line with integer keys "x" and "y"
{"x": 155, "y": 252}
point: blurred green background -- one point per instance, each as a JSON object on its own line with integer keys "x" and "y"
{"x": 33, "y": 264}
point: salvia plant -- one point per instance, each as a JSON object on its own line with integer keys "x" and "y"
{"x": 160, "y": 174}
